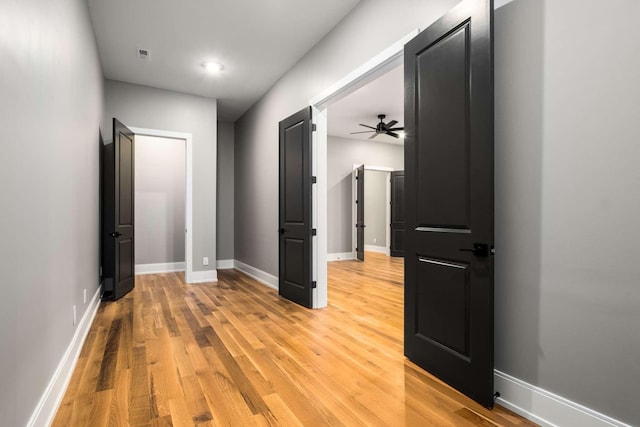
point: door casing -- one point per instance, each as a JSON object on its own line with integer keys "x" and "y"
{"x": 188, "y": 139}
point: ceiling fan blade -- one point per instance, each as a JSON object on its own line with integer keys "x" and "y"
{"x": 374, "y": 135}
{"x": 393, "y": 134}
{"x": 364, "y": 131}
{"x": 398, "y": 128}
{"x": 367, "y": 126}
{"x": 391, "y": 124}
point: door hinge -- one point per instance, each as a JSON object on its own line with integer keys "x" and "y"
{"x": 314, "y": 179}
{"x": 313, "y": 127}
{"x": 314, "y": 284}
{"x": 313, "y": 231}
{"x": 356, "y": 202}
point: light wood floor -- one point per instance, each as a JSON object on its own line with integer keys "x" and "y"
{"x": 234, "y": 353}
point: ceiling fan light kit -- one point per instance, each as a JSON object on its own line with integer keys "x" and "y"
{"x": 382, "y": 128}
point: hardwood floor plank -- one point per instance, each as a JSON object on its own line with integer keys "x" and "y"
{"x": 100, "y": 409}
{"x": 181, "y": 357}
{"x": 235, "y": 353}
{"x": 119, "y": 411}
{"x": 195, "y": 400}
{"x": 180, "y": 412}
{"x": 282, "y": 414}
{"x": 139, "y": 392}
{"x": 110, "y": 357}
{"x": 126, "y": 334}
{"x": 224, "y": 400}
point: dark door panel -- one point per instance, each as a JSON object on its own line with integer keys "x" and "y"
{"x": 295, "y": 230}
{"x": 449, "y": 199}
{"x": 444, "y": 319}
{"x": 443, "y": 72}
{"x": 397, "y": 214}
{"x": 119, "y": 241}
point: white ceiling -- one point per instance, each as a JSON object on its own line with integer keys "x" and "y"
{"x": 257, "y": 41}
{"x": 385, "y": 95}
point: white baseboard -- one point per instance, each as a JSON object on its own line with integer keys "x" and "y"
{"x": 48, "y": 405}
{"x": 204, "y": 276}
{"x": 261, "y": 276}
{"x": 340, "y": 256}
{"x": 546, "y": 408}
{"x": 373, "y": 248}
{"x": 224, "y": 264}
{"x": 164, "y": 267}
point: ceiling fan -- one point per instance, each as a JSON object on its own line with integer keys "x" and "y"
{"x": 382, "y": 128}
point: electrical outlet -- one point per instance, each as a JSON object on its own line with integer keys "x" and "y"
{"x": 74, "y": 315}
{"x": 85, "y": 296}
{"x": 375, "y": 240}
{"x": 205, "y": 260}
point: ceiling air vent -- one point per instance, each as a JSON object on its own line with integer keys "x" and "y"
{"x": 143, "y": 54}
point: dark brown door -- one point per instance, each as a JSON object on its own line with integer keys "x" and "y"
{"x": 449, "y": 199}
{"x": 295, "y": 208}
{"x": 360, "y": 213}
{"x": 119, "y": 211}
{"x": 397, "y": 214}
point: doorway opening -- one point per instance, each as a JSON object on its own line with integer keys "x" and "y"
{"x": 384, "y": 63}
{"x": 365, "y": 145}
{"x": 172, "y": 206}
{"x": 375, "y": 221}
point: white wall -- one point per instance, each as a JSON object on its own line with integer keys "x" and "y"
{"x": 342, "y": 154}
{"x": 568, "y": 199}
{"x": 145, "y": 107}
{"x": 567, "y": 304}
{"x": 160, "y": 184}
{"x": 50, "y": 112}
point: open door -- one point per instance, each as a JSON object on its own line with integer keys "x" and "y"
{"x": 118, "y": 265}
{"x": 101, "y": 231}
{"x": 295, "y": 228}
{"x": 449, "y": 199}
{"x": 397, "y": 214}
{"x": 360, "y": 213}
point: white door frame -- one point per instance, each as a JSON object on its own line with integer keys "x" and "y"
{"x": 188, "y": 139}
{"x": 386, "y": 60}
{"x": 387, "y": 211}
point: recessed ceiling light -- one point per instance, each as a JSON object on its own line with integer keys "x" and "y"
{"x": 213, "y": 67}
